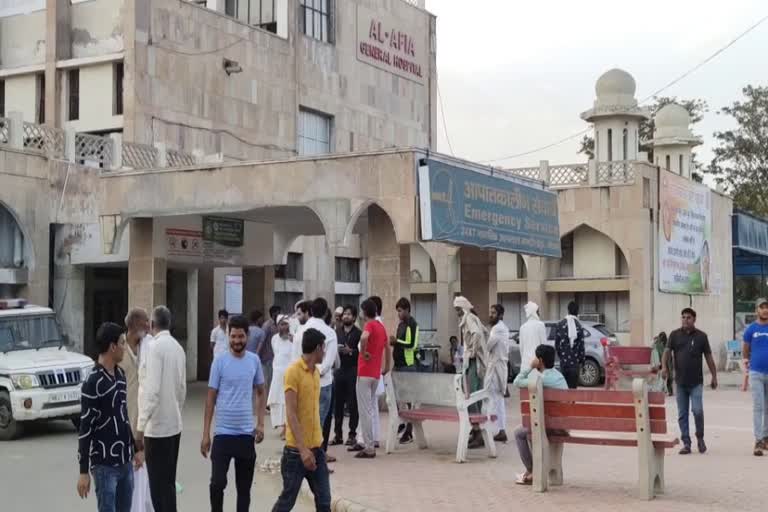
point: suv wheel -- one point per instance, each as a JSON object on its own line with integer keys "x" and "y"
{"x": 9, "y": 428}
{"x": 590, "y": 373}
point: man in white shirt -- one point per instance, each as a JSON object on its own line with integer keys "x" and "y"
{"x": 219, "y": 337}
{"x": 302, "y": 314}
{"x": 319, "y": 310}
{"x": 162, "y": 391}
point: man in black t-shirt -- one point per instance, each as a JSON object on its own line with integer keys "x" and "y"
{"x": 690, "y": 346}
{"x": 345, "y": 378}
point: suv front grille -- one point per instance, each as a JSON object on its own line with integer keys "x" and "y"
{"x": 59, "y": 379}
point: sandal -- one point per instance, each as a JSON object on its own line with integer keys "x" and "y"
{"x": 365, "y": 455}
{"x": 330, "y": 458}
{"x": 523, "y": 480}
{"x": 336, "y": 441}
{"x": 356, "y": 448}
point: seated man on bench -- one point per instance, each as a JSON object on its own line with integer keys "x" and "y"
{"x": 551, "y": 378}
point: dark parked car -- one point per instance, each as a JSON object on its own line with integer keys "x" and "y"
{"x": 593, "y": 371}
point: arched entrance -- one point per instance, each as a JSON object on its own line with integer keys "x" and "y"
{"x": 15, "y": 255}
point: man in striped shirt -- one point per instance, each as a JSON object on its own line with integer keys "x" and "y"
{"x": 235, "y": 375}
{"x": 106, "y": 445}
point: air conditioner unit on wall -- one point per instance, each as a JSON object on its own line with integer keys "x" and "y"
{"x": 598, "y": 318}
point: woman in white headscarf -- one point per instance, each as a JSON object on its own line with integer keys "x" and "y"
{"x": 282, "y": 346}
{"x": 474, "y": 340}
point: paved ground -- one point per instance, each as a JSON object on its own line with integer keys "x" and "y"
{"x": 38, "y": 472}
{"x": 596, "y": 479}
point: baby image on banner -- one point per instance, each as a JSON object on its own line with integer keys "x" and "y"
{"x": 685, "y": 236}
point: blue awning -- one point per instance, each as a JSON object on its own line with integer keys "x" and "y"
{"x": 750, "y": 233}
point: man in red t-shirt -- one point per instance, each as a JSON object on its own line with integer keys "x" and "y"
{"x": 371, "y": 364}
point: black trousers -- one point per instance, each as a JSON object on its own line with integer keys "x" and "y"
{"x": 571, "y": 375}
{"x": 162, "y": 455}
{"x": 224, "y": 449}
{"x": 345, "y": 394}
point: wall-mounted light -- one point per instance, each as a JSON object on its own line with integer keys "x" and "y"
{"x": 232, "y": 66}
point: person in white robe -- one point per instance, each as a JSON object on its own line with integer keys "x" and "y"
{"x": 282, "y": 346}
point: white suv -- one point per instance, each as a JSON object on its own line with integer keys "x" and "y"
{"x": 39, "y": 378}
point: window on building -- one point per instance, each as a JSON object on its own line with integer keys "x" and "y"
{"x": 342, "y": 300}
{"x": 566, "y": 261}
{"x": 348, "y": 270}
{"x": 315, "y": 18}
{"x": 610, "y": 145}
{"x": 2, "y": 98}
{"x": 668, "y": 163}
{"x": 117, "y": 102}
{"x": 40, "y": 114}
{"x": 293, "y": 269}
{"x": 73, "y": 81}
{"x": 314, "y": 133}
{"x": 680, "y": 164}
{"x": 522, "y": 270}
{"x": 230, "y": 8}
{"x": 625, "y": 144}
{"x": 287, "y": 300}
{"x": 424, "y": 310}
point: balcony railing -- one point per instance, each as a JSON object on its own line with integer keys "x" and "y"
{"x": 590, "y": 174}
{"x": 109, "y": 153}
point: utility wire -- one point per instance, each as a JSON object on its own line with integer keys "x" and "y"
{"x": 654, "y": 94}
{"x": 445, "y": 124}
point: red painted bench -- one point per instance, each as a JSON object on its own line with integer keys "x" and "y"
{"x": 634, "y": 418}
{"x": 434, "y": 397}
{"x": 618, "y": 358}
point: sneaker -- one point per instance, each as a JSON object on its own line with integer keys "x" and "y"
{"x": 476, "y": 443}
{"x": 356, "y": 448}
{"x": 351, "y": 441}
{"x": 501, "y": 437}
{"x": 407, "y": 438}
{"x": 702, "y": 446}
{"x": 685, "y": 450}
{"x": 758, "y": 451}
{"x": 336, "y": 441}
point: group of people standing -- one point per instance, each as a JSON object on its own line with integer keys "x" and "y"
{"x": 131, "y": 421}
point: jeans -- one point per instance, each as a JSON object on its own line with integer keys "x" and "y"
{"x": 690, "y": 397}
{"x": 294, "y": 473}
{"x": 326, "y": 397}
{"x": 759, "y": 384}
{"x": 114, "y": 487}
{"x": 571, "y": 375}
{"x": 224, "y": 449}
{"x": 344, "y": 393}
{"x": 162, "y": 455}
{"x": 328, "y": 420}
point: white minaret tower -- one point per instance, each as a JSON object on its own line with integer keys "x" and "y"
{"x": 673, "y": 140}
{"x": 616, "y": 117}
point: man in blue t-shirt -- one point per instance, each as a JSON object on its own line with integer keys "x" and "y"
{"x": 235, "y": 375}
{"x": 755, "y": 352}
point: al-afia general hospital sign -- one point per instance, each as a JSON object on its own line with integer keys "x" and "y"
{"x": 392, "y": 45}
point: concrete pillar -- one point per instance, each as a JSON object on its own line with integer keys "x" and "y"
{"x": 146, "y": 273}
{"x": 258, "y": 288}
{"x": 16, "y": 130}
{"x": 478, "y": 279}
{"x": 116, "y": 139}
{"x": 544, "y": 171}
{"x": 640, "y": 297}
{"x": 325, "y": 284}
{"x": 58, "y": 47}
{"x": 69, "y": 302}
{"x": 384, "y": 266}
{"x": 192, "y": 320}
{"x": 537, "y": 278}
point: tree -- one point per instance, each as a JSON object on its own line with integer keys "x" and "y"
{"x": 695, "y": 107}
{"x": 741, "y": 158}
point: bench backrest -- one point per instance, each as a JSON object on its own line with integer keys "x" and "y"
{"x": 631, "y": 355}
{"x": 605, "y": 411}
{"x": 425, "y": 388}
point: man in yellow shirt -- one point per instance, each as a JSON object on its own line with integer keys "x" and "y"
{"x": 303, "y": 456}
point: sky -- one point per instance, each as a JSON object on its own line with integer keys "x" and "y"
{"x": 515, "y": 75}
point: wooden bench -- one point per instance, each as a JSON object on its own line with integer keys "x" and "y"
{"x": 617, "y": 358}
{"x": 435, "y": 397}
{"x": 637, "y": 412}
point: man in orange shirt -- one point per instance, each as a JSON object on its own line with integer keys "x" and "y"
{"x": 303, "y": 456}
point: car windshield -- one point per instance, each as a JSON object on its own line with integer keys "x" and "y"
{"x": 28, "y": 332}
{"x": 604, "y": 330}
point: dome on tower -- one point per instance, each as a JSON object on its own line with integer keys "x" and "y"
{"x": 672, "y": 115}
{"x": 615, "y": 82}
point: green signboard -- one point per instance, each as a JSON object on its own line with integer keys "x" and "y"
{"x": 224, "y": 231}
{"x": 465, "y": 206}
